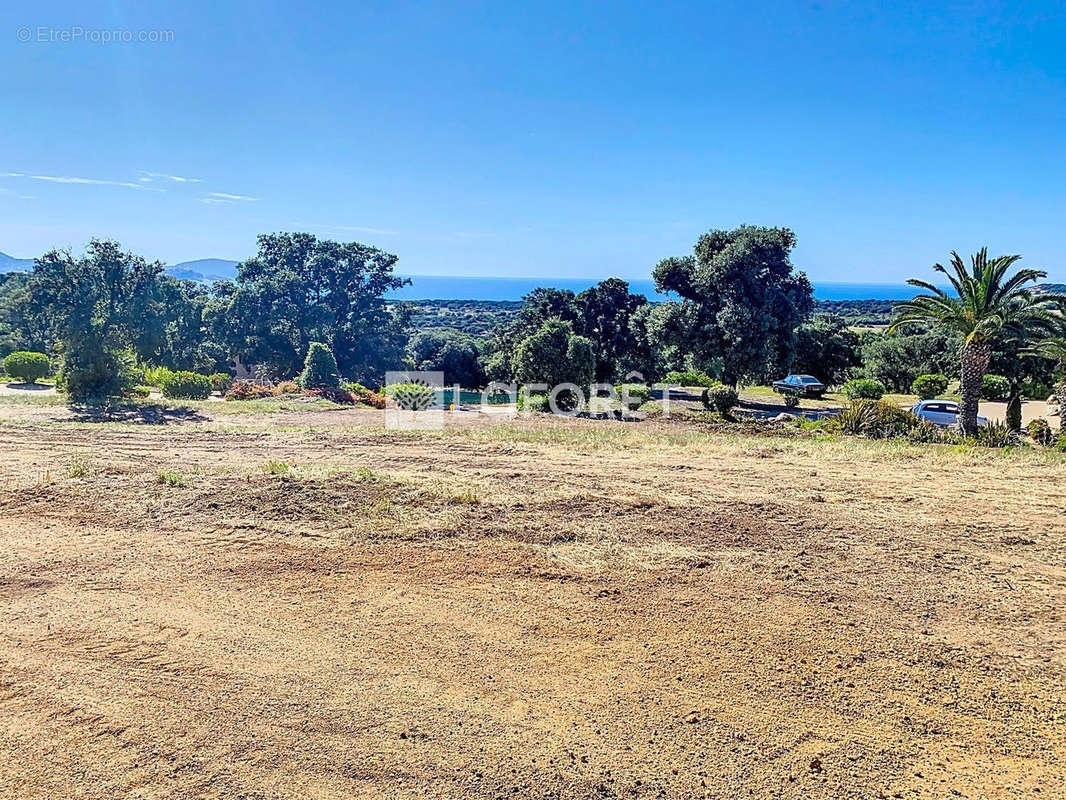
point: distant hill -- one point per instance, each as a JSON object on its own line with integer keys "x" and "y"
{"x": 12, "y": 264}
{"x": 1053, "y": 288}
{"x": 204, "y": 270}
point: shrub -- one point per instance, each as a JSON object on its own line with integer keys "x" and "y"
{"x": 220, "y": 382}
{"x": 927, "y": 433}
{"x": 532, "y": 403}
{"x": 995, "y": 388}
{"x": 689, "y": 378}
{"x": 360, "y": 394}
{"x": 247, "y": 390}
{"x": 320, "y": 368}
{"x": 186, "y": 386}
{"x": 27, "y": 366}
{"x": 173, "y": 479}
{"x": 864, "y": 389}
{"x": 292, "y": 387}
{"x": 410, "y": 396}
{"x": 1014, "y": 413}
{"x": 722, "y": 399}
{"x": 138, "y": 391}
{"x": 996, "y": 434}
{"x": 153, "y": 376}
{"x": 876, "y": 419}
{"x": 791, "y": 396}
{"x": 1040, "y": 432}
{"x": 1036, "y": 390}
{"x": 929, "y": 386}
{"x": 633, "y": 395}
{"x": 91, "y": 373}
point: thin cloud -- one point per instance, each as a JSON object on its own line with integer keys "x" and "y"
{"x": 148, "y": 177}
{"x": 68, "y": 179}
{"x": 226, "y": 197}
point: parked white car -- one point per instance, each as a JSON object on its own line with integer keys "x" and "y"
{"x": 944, "y": 413}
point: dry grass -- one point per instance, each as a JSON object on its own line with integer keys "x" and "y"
{"x": 320, "y": 608}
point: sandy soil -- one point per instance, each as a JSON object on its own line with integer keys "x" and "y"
{"x": 314, "y": 607}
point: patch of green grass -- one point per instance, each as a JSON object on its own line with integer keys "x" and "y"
{"x": 367, "y": 475}
{"x": 276, "y": 467}
{"x": 172, "y": 479}
{"x": 80, "y": 468}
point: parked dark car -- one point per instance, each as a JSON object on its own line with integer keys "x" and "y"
{"x": 805, "y": 385}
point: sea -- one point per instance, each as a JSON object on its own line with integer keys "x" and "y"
{"x": 455, "y": 287}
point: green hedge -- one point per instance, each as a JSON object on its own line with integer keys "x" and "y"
{"x": 186, "y": 386}
{"x": 27, "y": 366}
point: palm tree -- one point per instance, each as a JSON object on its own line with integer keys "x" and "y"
{"x": 989, "y": 307}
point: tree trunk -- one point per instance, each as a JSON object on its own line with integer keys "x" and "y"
{"x": 975, "y": 357}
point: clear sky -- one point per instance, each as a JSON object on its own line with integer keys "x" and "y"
{"x": 549, "y": 139}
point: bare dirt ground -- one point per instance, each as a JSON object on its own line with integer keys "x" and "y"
{"x": 311, "y": 606}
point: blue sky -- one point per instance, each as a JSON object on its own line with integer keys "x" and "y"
{"x": 540, "y": 139}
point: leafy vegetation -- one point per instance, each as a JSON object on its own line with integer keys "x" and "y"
{"x": 864, "y": 389}
{"x": 185, "y": 385}
{"x": 990, "y": 306}
{"x": 320, "y": 368}
{"x": 742, "y": 299}
{"x": 996, "y": 388}
{"x": 27, "y": 366}
{"x": 722, "y": 399}
{"x": 929, "y": 386}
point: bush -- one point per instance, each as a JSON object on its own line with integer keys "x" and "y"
{"x": 1014, "y": 413}
{"x": 995, "y": 388}
{"x": 410, "y": 396}
{"x": 186, "y": 386}
{"x": 320, "y": 368}
{"x": 27, "y": 366}
{"x": 633, "y": 395}
{"x": 1040, "y": 432}
{"x": 929, "y": 386}
{"x": 722, "y": 399}
{"x": 91, "y": 373}
{"x": 927, "y": 433}
{"x": 996, "y": 434}
{"x": 876, "y": 419}
{"x": 864, "y": 389}
{"x": 689, "y": 378}
{"x": 292, "y": 387}
{"x": 153, "y": 376}
{"x": 365, "y": 396}
{"x": 247, "y": 390}
{"x": 791, "y": 396}
{"x": 532, "y": 403}
{"x": 220, "y": 382}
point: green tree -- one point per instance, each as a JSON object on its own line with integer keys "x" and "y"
{"x": 455, "y": 354}
{"x": 1053, "y": 348}
{"x": 299, "y": 289}
{"x": 554, "y": 354}
{"x": 177, "y": 334}
{"x": 990, "y": 306}
{"x": 320, "y": 368}
{"x": 826, "y": 348}
{"x": 897, "y": 360}
{"x": 748, "y": 300}
{"x": 606, "y": 311}
{"x": 94, "y": 307}
{"x": 538, "y": 307}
